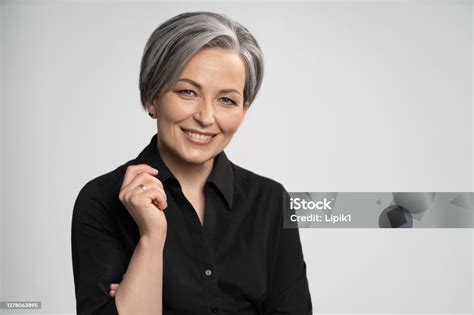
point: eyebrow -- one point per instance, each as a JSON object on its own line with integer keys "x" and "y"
{"x": 199, "y": 86}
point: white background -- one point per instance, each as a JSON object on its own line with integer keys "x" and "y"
{"x": 357, "y": 96}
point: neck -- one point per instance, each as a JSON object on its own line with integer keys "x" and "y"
{"x": 191, "y": 176}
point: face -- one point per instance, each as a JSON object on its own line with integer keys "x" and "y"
{"x": 198, "y": 117}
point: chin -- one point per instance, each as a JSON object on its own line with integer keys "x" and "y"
{"x": 197, "y": 157}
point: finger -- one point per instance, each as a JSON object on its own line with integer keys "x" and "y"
{"x": 137, "y": 192}
{"x": 133, "y": 170}
{"x": 145, "y": 179}
{"x": 112, "y": 293}
{"x": 133, "y": 185}
{"x": 160, "y": 206}
{"x": 114, "y": 286}
{"x": 144, "y": 198}
{"x": 156, "y": 196}
{"x": 142, "y": 178}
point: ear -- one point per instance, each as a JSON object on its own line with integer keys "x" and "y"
{"x": 246, "y": 107}
{"x": 152, "y": 108}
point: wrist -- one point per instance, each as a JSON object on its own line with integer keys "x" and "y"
{"x": 155, "y": 240}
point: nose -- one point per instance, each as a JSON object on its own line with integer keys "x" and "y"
{"x": 205, "y": 113}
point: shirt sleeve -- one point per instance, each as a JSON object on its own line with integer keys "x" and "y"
{"x": 97, "y": 253}
{"x": 289, "y": 290}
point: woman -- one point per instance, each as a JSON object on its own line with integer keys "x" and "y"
{"x": 189, "y": 231}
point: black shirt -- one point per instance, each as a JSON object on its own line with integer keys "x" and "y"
{"x": 240, "y": 261}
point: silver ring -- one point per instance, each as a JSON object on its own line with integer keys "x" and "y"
{"x": 142, "y": 187}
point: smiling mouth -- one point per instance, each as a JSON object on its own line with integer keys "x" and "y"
{"x": 197, "y": 136}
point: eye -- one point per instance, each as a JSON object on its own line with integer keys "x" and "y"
{"x": 228, "y": 101}
{"x": 186, "y": 92}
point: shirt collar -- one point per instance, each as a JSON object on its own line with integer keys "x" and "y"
{"x": 222, "y": 174}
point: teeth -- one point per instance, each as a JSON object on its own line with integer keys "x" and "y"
{"x": 197, "y": 136}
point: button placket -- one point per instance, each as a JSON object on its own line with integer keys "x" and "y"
{"x": 202, "y": 243}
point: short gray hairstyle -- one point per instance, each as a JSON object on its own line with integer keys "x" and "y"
{"x": 176, "y": 40}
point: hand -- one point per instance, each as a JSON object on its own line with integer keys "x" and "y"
{"x": 113, "y": 289}
{"x": 145, "y": 205}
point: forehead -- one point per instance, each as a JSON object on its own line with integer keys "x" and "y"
{"x": 216, "y": 67}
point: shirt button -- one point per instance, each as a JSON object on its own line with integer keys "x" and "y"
{"x": 208, "y": 272}
{"x": 214, "y": 309}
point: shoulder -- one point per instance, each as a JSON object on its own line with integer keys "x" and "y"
{"x": 101, "y": 191}
{"x": 108, "y": 182}
{"x": 251, "y": 181}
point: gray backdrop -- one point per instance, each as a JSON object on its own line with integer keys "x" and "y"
{"x": 357, "y": 96}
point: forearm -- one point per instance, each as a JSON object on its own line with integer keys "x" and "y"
{"x": 140, "y": 292}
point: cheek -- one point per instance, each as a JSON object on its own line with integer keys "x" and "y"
{"x": 230, "y": 122}
{"x": 172, "y": 111}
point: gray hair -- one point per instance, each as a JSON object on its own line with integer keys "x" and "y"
{"x": 176, "y": 40}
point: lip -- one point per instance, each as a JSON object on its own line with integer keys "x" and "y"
{"x": 194, "y": 141}
{"x": 197, "y": 131}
